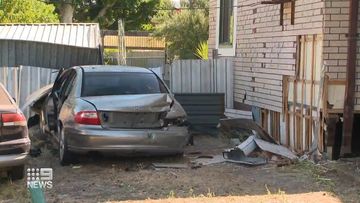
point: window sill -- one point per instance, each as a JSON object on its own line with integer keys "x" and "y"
{"x": 228, "y": 51}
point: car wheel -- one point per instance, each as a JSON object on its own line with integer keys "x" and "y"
{"x": 64, "y": 154}
{"x": 17, "y": 172}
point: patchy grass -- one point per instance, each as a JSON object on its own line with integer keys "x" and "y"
{"x": 13, "y": 191}
{"x": 280, "y": 194}
{"x": 209, "y": 194}
{"x": 317, "y": 172}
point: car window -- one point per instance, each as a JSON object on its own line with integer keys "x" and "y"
{"x": 60, "y": 82}
{"x": 68, "y": 84}
{"x": 115, "y": 83}
{"x": 4, "y": 98}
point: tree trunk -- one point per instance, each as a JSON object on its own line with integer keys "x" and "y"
{"x": 103, "y": 11}
{"x": 66, "y": 12}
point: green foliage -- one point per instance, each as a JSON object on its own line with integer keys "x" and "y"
{"x": 27, "y": 11}
{"x": 183, "y": 30}
{"x": 110, "y": 56}
{"x": 136, "y": 13}
{"x": 202, "y": 51}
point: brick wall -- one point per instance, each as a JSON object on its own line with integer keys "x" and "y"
{"x": 336, "y": 25}
{"x": 266, "y": 50}
{"x": 212, "y": 26}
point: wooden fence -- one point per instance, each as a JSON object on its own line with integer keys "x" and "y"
{"x": 203, "y": 76}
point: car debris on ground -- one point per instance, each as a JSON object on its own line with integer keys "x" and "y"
{"x": 252, "y": 146}
{"x": 207, "y": 160}
{"x": 256, "y": 146}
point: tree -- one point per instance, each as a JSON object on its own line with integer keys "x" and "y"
{"x": 135, "y": 13}
{"x": 27, "y": 11}
{"x": 66, "y": 10}
{"x": 183, "y": 29}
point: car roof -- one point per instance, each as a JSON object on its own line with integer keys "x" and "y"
{"x": 115, "y": 68}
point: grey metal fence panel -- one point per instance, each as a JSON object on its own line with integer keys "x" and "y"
{"x": 8, "y": 77}
{"x": 24, "y": 80}
{"x": 203, "y": 109}
{"x": 203, "y": 76}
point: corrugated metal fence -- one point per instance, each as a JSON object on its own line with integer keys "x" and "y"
{"x": 203, "y": 76}
{"x": 204, "y": 88}
{"x": 203, "y": 109}
{"x": 24, "y": 80}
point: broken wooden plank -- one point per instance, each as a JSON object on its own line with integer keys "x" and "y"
{"x": 170, "y": 165}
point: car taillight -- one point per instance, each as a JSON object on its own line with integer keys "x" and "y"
{"x": 13, "y": 119}
{"x": 87, "y": 118}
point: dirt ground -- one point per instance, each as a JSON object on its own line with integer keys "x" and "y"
{"x": 111, "y": 179}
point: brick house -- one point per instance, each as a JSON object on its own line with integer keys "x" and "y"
{"x": 279, "y": 49}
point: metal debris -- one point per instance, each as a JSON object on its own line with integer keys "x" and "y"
{"x": 252, "y": 161}
{"x": 241, "y": 153}
{"x": 247, "y": 146}
{"x": 208, "y": 160}
{"x": 275, "y": 149}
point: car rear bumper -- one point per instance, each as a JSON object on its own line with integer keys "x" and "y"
{"x": 168, "y": 140}
{"x": 14, "y": 152}
{"x": 13, "y": 160}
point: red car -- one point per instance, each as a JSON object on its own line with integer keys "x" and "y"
{"x": 14, "y": 138}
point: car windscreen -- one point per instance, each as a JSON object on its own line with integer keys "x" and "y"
{"x": 4, "y": 98}
{"x": 120, "y": 83}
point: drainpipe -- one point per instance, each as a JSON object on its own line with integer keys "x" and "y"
{"x": 350, "y": 78}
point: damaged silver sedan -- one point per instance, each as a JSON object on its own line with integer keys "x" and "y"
{"x": 111, "y": 109}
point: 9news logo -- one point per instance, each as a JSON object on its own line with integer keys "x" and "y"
{"x": 39, "y": 178}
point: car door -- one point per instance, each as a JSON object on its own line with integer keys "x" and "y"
{"x": 65, "y": 92}
{"x": 54, "y": 100}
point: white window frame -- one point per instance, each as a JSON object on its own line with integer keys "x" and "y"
{"x": 226, "y": 51}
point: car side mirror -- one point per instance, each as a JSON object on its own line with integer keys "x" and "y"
{"x": 14, "y": 99}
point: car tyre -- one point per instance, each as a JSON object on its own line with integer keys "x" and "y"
{"x": 65, "y": 155}
{"x": 17, "y": 172}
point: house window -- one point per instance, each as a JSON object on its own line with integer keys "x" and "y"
{"x": 226, "y": 23}
{"x": 226, "y": 27}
